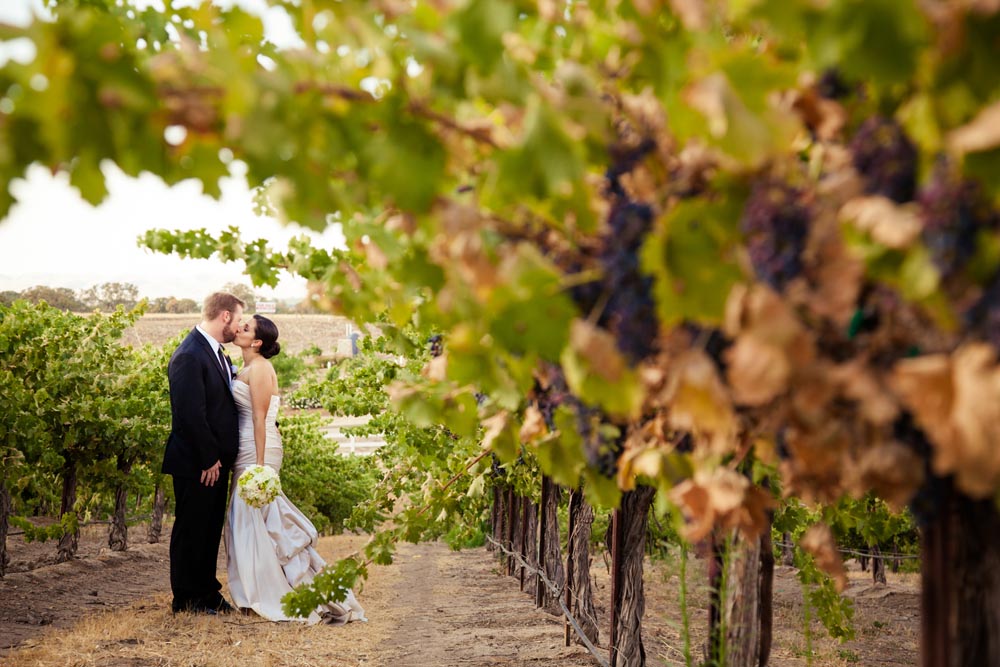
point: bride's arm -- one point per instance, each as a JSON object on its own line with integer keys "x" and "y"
{"x": 260, "y": 402}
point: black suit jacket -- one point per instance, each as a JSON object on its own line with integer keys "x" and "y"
{"x": 204, "y": 426}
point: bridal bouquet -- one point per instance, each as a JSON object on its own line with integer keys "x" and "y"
{"x": 258, "y": 485}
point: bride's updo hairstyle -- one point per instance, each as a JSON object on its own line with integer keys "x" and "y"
{"x": 267, "y": 332}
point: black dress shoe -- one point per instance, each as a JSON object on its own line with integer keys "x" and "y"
{"x": 225, "y": 608}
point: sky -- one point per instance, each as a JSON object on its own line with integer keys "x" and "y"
{"x": 53, "y": 237}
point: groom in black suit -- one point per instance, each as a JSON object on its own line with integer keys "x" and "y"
{"x": 202, "y": 447}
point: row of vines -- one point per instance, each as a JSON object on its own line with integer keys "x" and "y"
{"x": 470, "y": 496}
{"x": 84, "y": 424}
{"x": 82, "y": 428}
{"x": 692, "y": 253}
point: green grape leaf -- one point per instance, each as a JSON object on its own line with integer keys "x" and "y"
{"x": 691, "y": 257}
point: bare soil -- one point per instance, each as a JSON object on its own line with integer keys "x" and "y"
{"x": 431, "y": 607}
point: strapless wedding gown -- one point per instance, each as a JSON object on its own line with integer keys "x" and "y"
{"x": 271, "y": 549}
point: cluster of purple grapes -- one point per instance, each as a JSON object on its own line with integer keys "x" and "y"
{"x": 550, "y": 398}
{"x": 887, "y": 159}
{"x": 983, "y": 318}
{"x": 954, "y": 214}
{"x": 831, "y": 85}
{"x": 436, "y": 345}
{"x": 602, "y": 454}
{"x": 776, "y": 225}
{"x": 624, "y": 294}
{"x": 630, "y": 313}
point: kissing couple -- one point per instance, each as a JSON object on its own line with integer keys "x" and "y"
{"x": 224, "y": 422}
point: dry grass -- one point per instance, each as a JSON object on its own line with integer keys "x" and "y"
{"x": 436, "y": 607}
{"x": 147, "y": 633}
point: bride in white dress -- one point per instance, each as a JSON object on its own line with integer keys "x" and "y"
{"x": 270, "y": 550}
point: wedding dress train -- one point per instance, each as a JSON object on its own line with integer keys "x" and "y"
{"x": 271, "y": 550}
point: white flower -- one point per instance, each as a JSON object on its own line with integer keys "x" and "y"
{"x": 258, "y": 485}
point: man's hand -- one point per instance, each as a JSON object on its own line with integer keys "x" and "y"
{"x": 211, "y": 476}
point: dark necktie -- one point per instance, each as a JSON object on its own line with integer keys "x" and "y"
{"x": 225, "y": 364}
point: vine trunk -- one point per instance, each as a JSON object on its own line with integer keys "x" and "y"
{"x": 551, "y": 554}
{"x": 583, "y": 594}
{"x": 156, "y": 521}
{"x": 6, "y": 507}
{"x": 118, "y": 534}
{"x": 960, "y": 576}
{"x": 631, "y": 602}
{"x": 70, "y": 540}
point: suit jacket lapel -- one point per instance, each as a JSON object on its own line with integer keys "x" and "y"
{"x": 213, "y": 357}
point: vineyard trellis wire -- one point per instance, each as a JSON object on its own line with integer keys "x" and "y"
{"x": 863, "y": 553}
{"x": 98, "y": 522}
{"x": 557, "y": 592}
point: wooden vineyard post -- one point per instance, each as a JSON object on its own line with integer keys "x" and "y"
{"x": 495, "y": 516}
{"x": 715, "y": 572}
{"x": 510, "y": 530}
{"x": 525, "y": 503}
{"x": 766, "y": 588}
{"x": 539, "y": 584}
{"x": 574, "y": 496}
{"x": 615, "y": 583}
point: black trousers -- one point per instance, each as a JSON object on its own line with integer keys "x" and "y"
{"x": 194, "y": 541}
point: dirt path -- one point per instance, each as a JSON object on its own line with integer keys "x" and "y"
{"x": 432, "y": 607}
{"x": 453, "y": 609}
{"x": 58, "y": 595}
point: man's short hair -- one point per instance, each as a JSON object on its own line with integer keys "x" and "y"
{"x": 218, "y": 302}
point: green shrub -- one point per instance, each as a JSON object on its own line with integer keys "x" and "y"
{"x": 289, "y": 368}
{"x": 323, "y": 484}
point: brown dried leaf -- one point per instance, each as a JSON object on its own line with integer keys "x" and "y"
{"x": 759, "y": 311}
{"x": 769, "y": 344}
{"x": 813, "y": 472}
{"x": 982, "y": 133}
{"x": 857, "y": 383}
{"x": 892, "y": 470}
{"x": 839, "y": 275}
{"x": 375, "y": 257}
{"x": 494, "y": 427}
{"x": 757, "y": 371}
{"x": 818, "y": 540}
{"x": 983, "y": 7}
{"x": 436, "y": 369}
{"x": 692, "y": 13}
{"x": 598, "y": 347}
{"x": 534, "y": 426}
{"x": 956, "y": 401}
{"x": 891, "y": 225}
{"x": 399, "y": 391}
{"x": 647, "y": 461}
{"x": 709, "y": 96}
{"x": 976, "y": 416}
{"x": 693, "y": 501}
{"x": 699, "y": 402}
{"x": 925, "y": 385}
{"x": 722, "y": 498}
{"x": 825, "y": 117}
